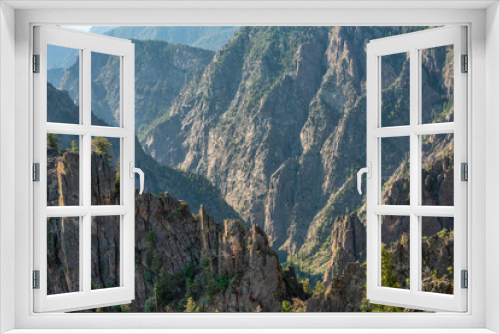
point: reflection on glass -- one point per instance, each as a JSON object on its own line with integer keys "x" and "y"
{"x": 105, "y": 171}
{"x": 395, "y": 171}
{"x": 63, "y": 170}
{"x": 437, "y": 85}
{"x": 105, "y": 252}
{"x": 395, "y": 77}
{"x": 63, "y": 255}
{"x": 395, "y": 252}
{"x": 437, "y": 170}
{"x": 63, "y": 85}
{"x": 105, "y": 89}
{"x": 437, "y": 254}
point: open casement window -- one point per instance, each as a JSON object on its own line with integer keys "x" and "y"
{"x": 70, "y": 146}
{"x": 416, "y": 145}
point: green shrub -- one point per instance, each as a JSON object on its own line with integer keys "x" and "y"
{"x": 101, "y": 145}
{"x": 53, "y": 141}
{"x": 74, "y": 146}
{"x": 286, "y": 306}
{"x": 150, "y": 305}
{"x": 190, "y": 270}
{"x": 319, "y": 288}
{"x": 190, "y": 305}
{"x": 222, "y": 283}
{"x": 163, "y": 288}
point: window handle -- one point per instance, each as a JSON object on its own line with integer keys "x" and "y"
{"x": 368, "y": 171}
{"x": 139, "y": 171}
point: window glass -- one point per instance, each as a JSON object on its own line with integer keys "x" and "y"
{"x": 437, "y": 255}
{"x": 106, "y": 91}
{"x": 105, "y": 252}
{"x": 63, "y": 170}
{"x": 437, "y": 170}
{"x": 395, "y": 94}
{"x": 63, "y": 85}
{"x": 105, "y": 171}
{"x": 437, "y": 84}
{"x": 395, "y": 252}
{"x": 63, "y": 255}
{"x": 395, "y": 170}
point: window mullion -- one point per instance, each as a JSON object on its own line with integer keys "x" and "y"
{"x": 414, "y": 170}
{"x": 86, "y": 256}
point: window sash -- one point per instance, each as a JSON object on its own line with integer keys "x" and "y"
{"x": 86, "y": 298}
{"x": 413, "y": 43}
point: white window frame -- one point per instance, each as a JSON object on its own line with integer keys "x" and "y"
{"x": 86, "y": 44}
{"x": 483, "y": 50}
{"x": 413, "y": 44}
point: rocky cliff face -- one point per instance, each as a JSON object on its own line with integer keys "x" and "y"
{"x": 189, "y": 262}
{"x": 272, "y": 121}
{"x": 184, "y": 261}
{"x": 348, "y": 245}
{"x": 195, "y": 189}
{"x": 208, "y": 38}
{"x": 161, "y": 70}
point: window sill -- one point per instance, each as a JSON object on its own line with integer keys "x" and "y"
{"x": 251, "y": 331}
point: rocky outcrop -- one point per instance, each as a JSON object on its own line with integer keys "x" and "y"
{"x": 344, "y": 293}
{"x": 271, "y": 122}
{"x": 346, "y": 289}
{"x": 161, "y": 70}
{"x": 222, "y": 267}
{"x": 181, "y": 258}
{"x": 348, "y": 245}
{"x": 195, "y": 189}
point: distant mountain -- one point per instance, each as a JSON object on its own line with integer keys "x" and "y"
{"x": 101, "y": 29}
{"x": 192, "y": 188}
{"x": 60, "y": 57}
{"x": 209, "y": 38}
{"x": 276, "y": 121}
{"x": 161, "y": 71}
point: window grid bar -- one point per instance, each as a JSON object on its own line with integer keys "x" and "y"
{"x": 414, "y": 167}
{"x": 75, "y": 129}
{"x": 422, "y": 129}
{"x": 94, "y": 210}
{"x": 421, "y": 211}
{"x": 85, "y": 173}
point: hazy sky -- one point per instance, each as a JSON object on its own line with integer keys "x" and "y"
{"x": 81, "y": 28}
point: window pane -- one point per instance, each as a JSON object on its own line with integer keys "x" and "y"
{"x": 395, "y": 171}
{"x": 63, "y": 255}
{"x": 105, "y": 252}
{"x": 395, "y": 252}
{"x": 105, "y": 89}
{"x": 395, "y": 76}
{"x": 437, "y": 255}
{"x": 437, "y": 84}
{"x": 63, "y": 70}
{"x": 105, "y": 171}
{"x": 437, "y": 170}
{"x": 63, "y": 170}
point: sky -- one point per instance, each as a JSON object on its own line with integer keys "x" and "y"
{"x": 80, "y": 28}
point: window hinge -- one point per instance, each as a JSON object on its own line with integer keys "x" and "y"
{"x": 464, "y": 171}
{"x": 36, "y": 63}
{"x": 36, "y": 172}
{"x": 36, "y": 279}
{"x": 465, "y": 279}
{"x": 465, "y": 63}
